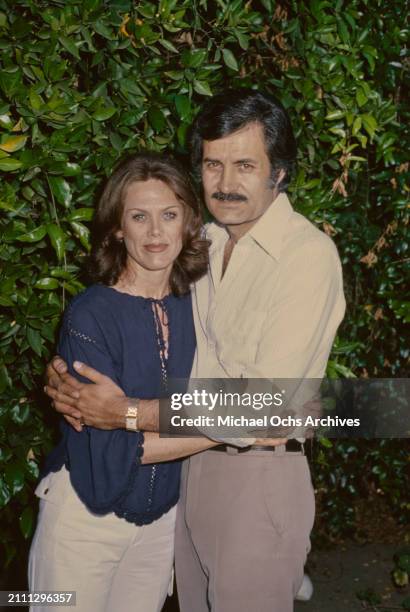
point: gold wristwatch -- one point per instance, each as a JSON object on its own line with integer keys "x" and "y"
{"x": 131, "y": 416}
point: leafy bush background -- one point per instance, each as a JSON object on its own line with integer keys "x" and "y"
{"x": 83, "y": 82}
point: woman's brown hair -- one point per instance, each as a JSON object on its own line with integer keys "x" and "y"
{"x": 108, "y": 255}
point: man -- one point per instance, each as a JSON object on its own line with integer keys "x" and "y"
{"x": 268, "y": 308}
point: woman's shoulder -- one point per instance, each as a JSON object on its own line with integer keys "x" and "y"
{"x": 94, "y": 306}
{"x": 92, "y": 299}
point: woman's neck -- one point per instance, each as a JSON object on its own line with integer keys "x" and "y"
{"x": 146, "y": 283}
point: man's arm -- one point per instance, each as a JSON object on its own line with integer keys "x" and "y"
{"x": 102, "y": 405}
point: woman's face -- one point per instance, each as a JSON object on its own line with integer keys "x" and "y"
{"x": 151, "y": 225}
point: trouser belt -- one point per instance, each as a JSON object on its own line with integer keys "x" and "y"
{"x": 291, "y": 446}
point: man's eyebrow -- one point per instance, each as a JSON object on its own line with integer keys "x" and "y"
{"x": 247, "y": 160}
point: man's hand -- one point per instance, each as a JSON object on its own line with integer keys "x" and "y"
{"x": 102, "y": 404}
{"x": 58, "y": 379}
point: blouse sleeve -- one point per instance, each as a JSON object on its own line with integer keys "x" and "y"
{"x": 103, "y": 464}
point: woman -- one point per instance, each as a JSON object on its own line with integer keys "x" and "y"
{"x": 106, "y": 522}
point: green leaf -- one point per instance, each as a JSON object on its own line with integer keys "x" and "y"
{"x": 336, "y": 114}
{"x": 104, "y": 113}
{"x": 369, "y": 124}
{"x": 243, "y": 40}
{"x": 34, "y": 340}
{"x": 5, "y": 380}
{"x": 70, "y": 46}
{"x": 26, "y": 520}
{"x": 229, "y": 59}
{"x": 183, "y": 106}
{"x": 81, "y": 214}
{"x": 325, "y": 442}
{"x": 156, "y": 118}
{"x": 103, "y": 30}
{"x": 6, "y": 122}
{"x": 202, "y": 88}
{"x": 361, "y": 97}
{"x": 61, "y": 190}
{"x": 8, "y": 164}
{"x": 168, "y": 45}
{"x": 34, "y": 235}
{"x": 82, "y": 232}
{"x": 57, "y": 238}
{"x": 14, "y": 477}
{"x": 47, "y": 284}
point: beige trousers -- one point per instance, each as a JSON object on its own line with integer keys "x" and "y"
{"x": 242, "y": 535}
{"x": 113, "y": 565}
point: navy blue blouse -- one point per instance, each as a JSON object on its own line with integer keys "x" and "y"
{"x": 116, "y": 333}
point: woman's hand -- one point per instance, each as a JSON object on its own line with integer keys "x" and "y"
{"x": 269, "y": 441}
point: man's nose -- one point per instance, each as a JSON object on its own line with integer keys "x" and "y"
{"x": 227, "y": 180}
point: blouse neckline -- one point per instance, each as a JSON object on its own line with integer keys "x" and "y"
{"x": 139, "y": 297}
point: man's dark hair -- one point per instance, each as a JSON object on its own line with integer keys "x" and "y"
{"x": 231, "y": 110}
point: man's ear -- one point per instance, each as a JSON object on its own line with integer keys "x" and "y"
{"x": 281, "y": 176}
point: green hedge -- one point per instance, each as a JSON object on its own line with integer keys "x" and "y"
{"x": 83, "y": 82}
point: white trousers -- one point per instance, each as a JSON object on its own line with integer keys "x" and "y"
{"x": 113, "y": 565}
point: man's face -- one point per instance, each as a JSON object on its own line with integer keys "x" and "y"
{"x": 236, "y": 177}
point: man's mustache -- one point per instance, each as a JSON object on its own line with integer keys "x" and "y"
{"x": 229, "y": 197}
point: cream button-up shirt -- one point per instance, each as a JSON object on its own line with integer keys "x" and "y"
{"x": 275, "y": 312}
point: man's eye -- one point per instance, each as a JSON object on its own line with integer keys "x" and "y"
{"x": 170, "y": 215}
{"x": 246, "y": 166}
{"x": 212, "y": 164}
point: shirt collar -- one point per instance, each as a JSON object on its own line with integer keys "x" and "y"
{"x": 268, "y": 232}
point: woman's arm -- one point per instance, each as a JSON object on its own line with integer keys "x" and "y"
{"x": 157, "y": 449}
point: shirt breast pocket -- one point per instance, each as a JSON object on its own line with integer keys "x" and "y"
{"x": 237, "y": 340}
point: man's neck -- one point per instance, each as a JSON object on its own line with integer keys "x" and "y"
{"x": 237, "y": 231}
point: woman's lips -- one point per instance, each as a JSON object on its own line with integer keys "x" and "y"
{"x": 156, "y": 248}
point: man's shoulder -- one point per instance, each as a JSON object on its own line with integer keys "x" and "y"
{"x": 303, "y": 237}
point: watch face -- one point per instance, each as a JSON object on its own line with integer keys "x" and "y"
{"x": 131, "y": 423}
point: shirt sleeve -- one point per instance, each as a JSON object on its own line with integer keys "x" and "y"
{"x": 103, "y": 465}
{"x": 301, "y": 325}
{"x": 300, "y": 328}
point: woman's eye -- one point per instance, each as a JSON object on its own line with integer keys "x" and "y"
{"x": 170, "y": 215}
{"x": 138, "y": 217}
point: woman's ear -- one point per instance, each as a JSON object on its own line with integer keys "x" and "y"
{"x": 119, "y": 234}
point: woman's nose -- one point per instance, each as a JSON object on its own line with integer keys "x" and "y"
{"x": 155, "y": 227}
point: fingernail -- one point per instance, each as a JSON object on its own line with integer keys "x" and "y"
{"x": 77, "y": 365}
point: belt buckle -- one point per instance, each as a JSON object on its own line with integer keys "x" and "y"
{"x": 231, "y": 450}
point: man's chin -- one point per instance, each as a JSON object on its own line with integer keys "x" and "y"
{"x": 227, "y": 214}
